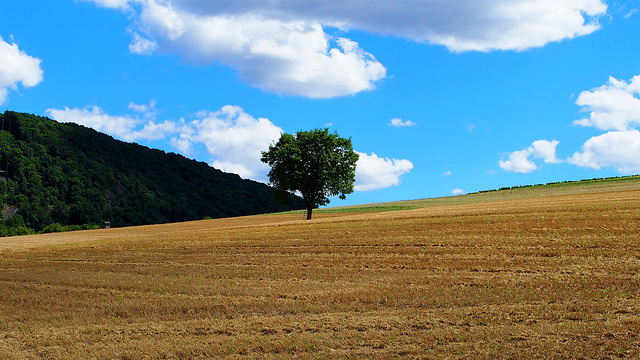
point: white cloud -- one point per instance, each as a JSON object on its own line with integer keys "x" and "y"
{"x": 399, "y": 123}
{"x": 233, "y": 138}
{"x": 281, "y": 46}
{"x": 618, "y": 149}
{"x": 520, "y": 162}
{"x": 614, "y": 106}
{"x": 148, "y": 110}
{"x": 125, "y": 127}
{"x": 141, "y": 45}
{"x": 113, "y": 4}
{"x": 373, "y": 172}
{"x": 519, "y": 25}
{"x": 446, "y": 173}
{"x": 457, "y": 191}
{"x": 481, "y": 25}
{"x": 16, "y": 67}
{"x": 546, "y": 150}
{"x": 630, "y": 13}
{"x": 289, "y": 57}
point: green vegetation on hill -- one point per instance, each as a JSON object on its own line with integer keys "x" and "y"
{"x": 56, "y": 177}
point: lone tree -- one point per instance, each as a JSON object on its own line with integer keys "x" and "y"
{"x": 315, "y": 163}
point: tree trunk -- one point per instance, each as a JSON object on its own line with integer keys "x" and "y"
{"x": 309, "y": 210}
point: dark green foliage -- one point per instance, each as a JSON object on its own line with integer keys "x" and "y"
{"x": 315, "y": 163}
{"x": 64, "y": 177}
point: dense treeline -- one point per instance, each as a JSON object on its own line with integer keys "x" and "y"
{"x": 57, "y": 177}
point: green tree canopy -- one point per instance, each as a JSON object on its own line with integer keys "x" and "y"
{"x": 64, "y": 176}
{"x": 315, "y": 163}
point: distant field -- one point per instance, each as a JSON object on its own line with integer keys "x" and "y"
{"x": 534, "y": 191}
{"x": 540, "y": 272}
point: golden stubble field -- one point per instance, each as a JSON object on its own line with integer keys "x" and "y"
{"x": 546, "y": 277}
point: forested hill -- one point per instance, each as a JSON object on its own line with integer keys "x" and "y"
{"x": 64, "y": 176}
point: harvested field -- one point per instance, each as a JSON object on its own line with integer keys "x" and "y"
{"x": 554, "y": 276}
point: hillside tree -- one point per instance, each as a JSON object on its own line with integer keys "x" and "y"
{"x": 314, "y": 163}
{"x": 65, "y": 176}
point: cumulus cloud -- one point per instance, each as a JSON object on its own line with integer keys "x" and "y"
{"x": 617, "y": 149}
{"x": 457, "y": 191}
{"x": 16, "y": 67}
{"x": 124, "y": 127}
{"x": 148, "y": 110}
{"x": 113, "y": 4}
{"x": 281, "y": 46}
{"x": 520, "y": 161}
{"x": 289, "y": 57}
{"x": 546, "y": 150}
{"x": 399, "y": 123}
{"x": 233, "y": 138}
{"x": 482, "y": 25}
{"x": 613, "y": 106}
{"x": 373, "y": 172}
{"x": 141, "y": 45}
{"x": 518, "y": 25}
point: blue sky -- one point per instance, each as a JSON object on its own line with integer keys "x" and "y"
{"x": 439, "y": 97}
